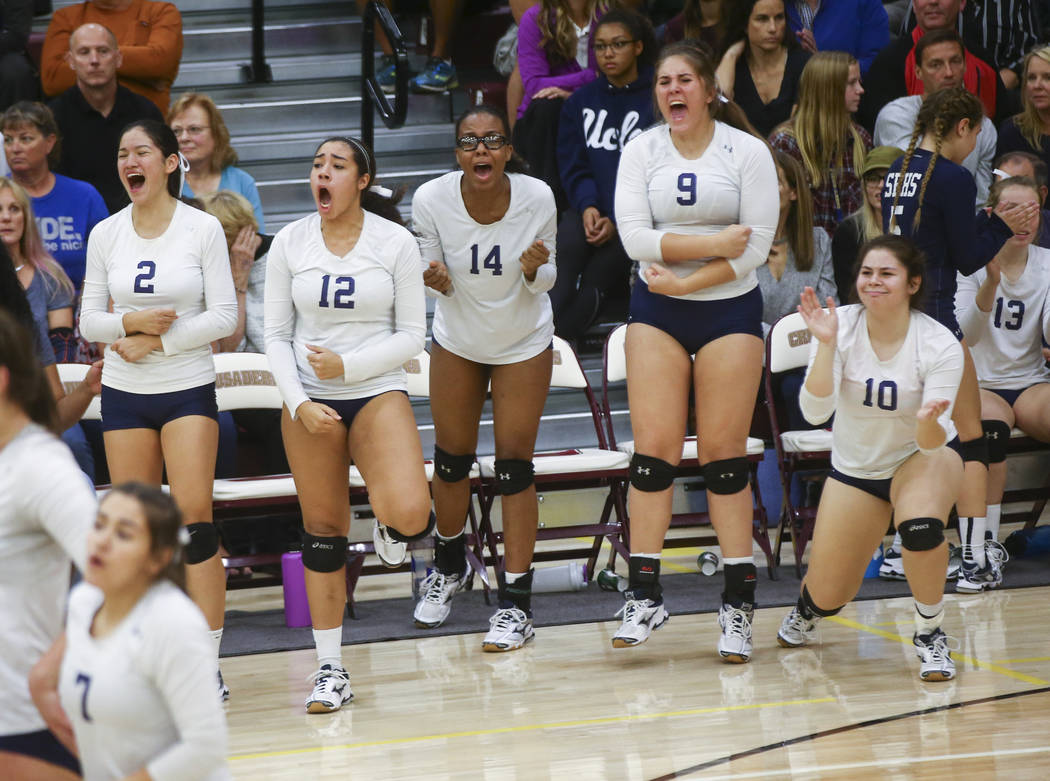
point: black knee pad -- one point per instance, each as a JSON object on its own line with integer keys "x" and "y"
{"x": 323, "y": 554}
{"x": 997, "y": 436}
{"x": 651, "y": 474}
{"x": 919, "y": 534}
{"x": 811, "y": 606}
{"x": 513, "y": 475}
{"x": 203, "y": 544}
{"x": 974, "y": 450}
{"x": 727, "y": 476}
{"x": 449, "y": 468}
{"x": 395, "y": 534}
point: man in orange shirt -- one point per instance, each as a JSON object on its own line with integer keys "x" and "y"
{"x": 150, "y": 39}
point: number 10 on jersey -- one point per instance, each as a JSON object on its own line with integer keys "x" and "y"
{"x": 491, "y": 262}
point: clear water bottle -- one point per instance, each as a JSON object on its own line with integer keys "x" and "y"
{"x": 563, "y": 577}
{"x": 422, "y": 562}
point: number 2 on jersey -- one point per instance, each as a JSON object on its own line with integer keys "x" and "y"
{"x": 491, "y": 262}
{"x": 887, "y": 394}
{"x": 144, "y": 281}
{"x": 344, "y": 288}
{"x": 86, "y": 680}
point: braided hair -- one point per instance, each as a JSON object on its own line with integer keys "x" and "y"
{"x": 939, "y": 114}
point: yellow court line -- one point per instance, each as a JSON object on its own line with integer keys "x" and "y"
{"x": 907, "y": 641}
{"x": 531, "y": 728}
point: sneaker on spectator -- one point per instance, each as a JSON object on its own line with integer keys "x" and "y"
{"x": 437, "y": 76}
{"x": 385, "y": 75}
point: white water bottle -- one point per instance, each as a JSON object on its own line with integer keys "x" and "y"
{"x": 565, "y": 577}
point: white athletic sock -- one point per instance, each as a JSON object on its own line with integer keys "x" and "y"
{"x": 897, "y": 544}
{"x": 739, "y": 560}
{"x": 928, "y": 617}
{"x": 513, "y": 577}
{"x": 216, "y": 639}
{"x": 457, "y": 535}
{"x": 646, "y": 556}
{"x": 329, "y": 646}
{"x": 991, "y": 531}
{"x": 971, "y": 534}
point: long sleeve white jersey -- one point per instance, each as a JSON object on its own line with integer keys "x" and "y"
{"x": 734, "y": 182}
{"x": 367, "y": 306}
{"x": 1006, "y": 343}
{"x": 875, "y": 401}
{"x": 47, "y": 508}
{"x": 143, "y": 696}
{"x": 493, "y": 315}
{"x": 186, "y": 268}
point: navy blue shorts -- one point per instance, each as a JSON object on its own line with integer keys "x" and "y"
{"x": 121, "y": 410}
{"x": 694, "y": 324}
{"x": 880, "y": 489}
{"x": 348, "y": 408}
{"x": 1010, "y": 396}
{"x": 40, "y": 745}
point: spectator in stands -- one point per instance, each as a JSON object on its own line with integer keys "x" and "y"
{"x": 761, "y": 67}
{"x": 49, "y": 293}
{"x": 555, "y": 57}
{"x": 596, "y": 122}
{"x": 939, "y": 62}
{"x": 892, "y": 74}
{"x": 439, "y": 74}
{"x": 1032, "y": 167}
{"x": 149, "y": 35}
{"x": 859, "y": 27}
{"x": 1029, "y": 131}
{"x": 825, "y": 139}
{"x": 205, "y": 143}
{"x": 699, "y": 20}
{"x": 17, "y": 76}
{"x": 92, "y": 113}
{"x": 865, "y": 223}
{"x": 1006, "y": 30}
{"x": 66, "y": 209}
{"x": 800, "y": 258}
{"x": 1007, "y": 348}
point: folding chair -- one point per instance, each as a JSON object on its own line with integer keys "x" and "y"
{"x": 799, "y": 451}
{"x": 71, "y": 375}
{"x": 569, "y": 469}
{"x": 615, "y": 370}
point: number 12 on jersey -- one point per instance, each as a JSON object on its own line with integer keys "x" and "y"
{"x": 491, "y": 262}
{"x": 344, "y": 288}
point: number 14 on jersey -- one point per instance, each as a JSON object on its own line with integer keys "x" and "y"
{"x": 491, "y": 261}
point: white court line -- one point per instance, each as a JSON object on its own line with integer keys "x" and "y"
{"x": 562, "y": 416}
{"x": 814, "y": 770}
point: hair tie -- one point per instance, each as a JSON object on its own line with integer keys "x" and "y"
{"x": 383, "y": 191}
{"x": 722, "y": 98}
{"x": 184, "y": 166}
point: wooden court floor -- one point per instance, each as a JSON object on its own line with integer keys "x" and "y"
{"x": 570, "y": 706}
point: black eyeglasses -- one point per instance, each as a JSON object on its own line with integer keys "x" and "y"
{"x": 617, "y": 46}
{"x": 491, "y": 142}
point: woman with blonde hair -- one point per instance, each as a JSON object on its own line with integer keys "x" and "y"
{"x": 824, "y": 138}
{"x": 1029, "y": 131}
{"x": 205, "y": 143}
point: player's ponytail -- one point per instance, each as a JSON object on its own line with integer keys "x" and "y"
{"x": 27, "y": 385}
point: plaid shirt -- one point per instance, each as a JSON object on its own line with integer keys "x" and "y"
{"x": 842, "y": 192}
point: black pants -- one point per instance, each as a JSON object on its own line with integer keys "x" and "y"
{"x": 586, "y": 276}
{"x": 18, "y": 80}
{"x": 536, "y": 140}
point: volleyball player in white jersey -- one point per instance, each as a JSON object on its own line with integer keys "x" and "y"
{"x": 133, "y": 672}
{"x": 890, "y": 375}
{"x": 344, "y": 310}
{"x": 696, "y": 205}
{"x": 45, "y": 513}
{"x": 1004, "y": 312}
{"x": 166, "y": 269}
{"x": 487, "y": 233}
